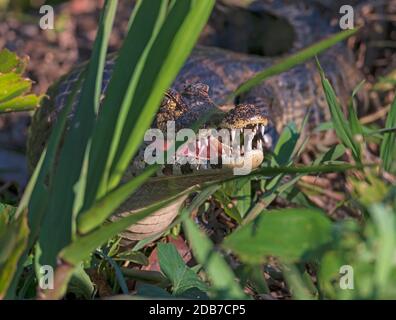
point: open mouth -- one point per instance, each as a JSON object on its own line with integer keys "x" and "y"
{"x": 227, "y": 148}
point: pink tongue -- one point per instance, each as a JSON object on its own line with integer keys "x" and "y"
{"x": 204, "y": 149}
{"x": 200, "y": 150}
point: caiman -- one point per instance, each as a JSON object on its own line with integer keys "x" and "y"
{"x": 236, "y": 44}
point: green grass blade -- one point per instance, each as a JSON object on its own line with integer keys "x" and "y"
{"x": 118, "y": 273}
{"x": 102, "y": 209}
{"x": 295, "y": 281}
{"x": 388, "y": 145}
{"x": 304, "y": 169}
{"x": 356, "y": 127}
{"x": 293, "y": 60}
{"x": 58, "y": 225}
{"x": 147, "y": 18}
{"x": 83, "y": 246}
{"x": 332, "y": 154}
{"x": 35, "y": 196}
{"x": 286, "y": 145}
{"x": 167, "y": 55}
{"x": 80, "y": 284}
{"x": 340, "y": 123}
{"x": 221, "y": 275}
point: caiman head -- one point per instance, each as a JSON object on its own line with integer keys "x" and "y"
{"x": 228, "y": 137}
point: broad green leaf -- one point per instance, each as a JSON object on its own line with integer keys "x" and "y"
{"x": 10, "y": 62}
{"x": 13, "y": 85}
{"x": 293, "y": 60}
{"x": 24, "y": 103}
{"x": 14, "y": 89}
{"x": 290, "y": 234}
{"x": 173, "y": 266}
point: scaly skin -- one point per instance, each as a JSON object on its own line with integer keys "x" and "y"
{"x": 204, "y": 83}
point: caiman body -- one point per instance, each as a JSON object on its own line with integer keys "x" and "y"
{"x": 209, "y": 76}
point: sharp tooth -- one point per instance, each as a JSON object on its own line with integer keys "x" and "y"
{"x": 233, "y": 136}
{"x": 249, "y": 145}
{"x": 259, "y": 144}
{"x": 263, "y": 131}
{"x": 227, "y": 152}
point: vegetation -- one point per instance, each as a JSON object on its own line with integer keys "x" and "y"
{"x": 14, "y": 89}
{"x": 60, "y": 220}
